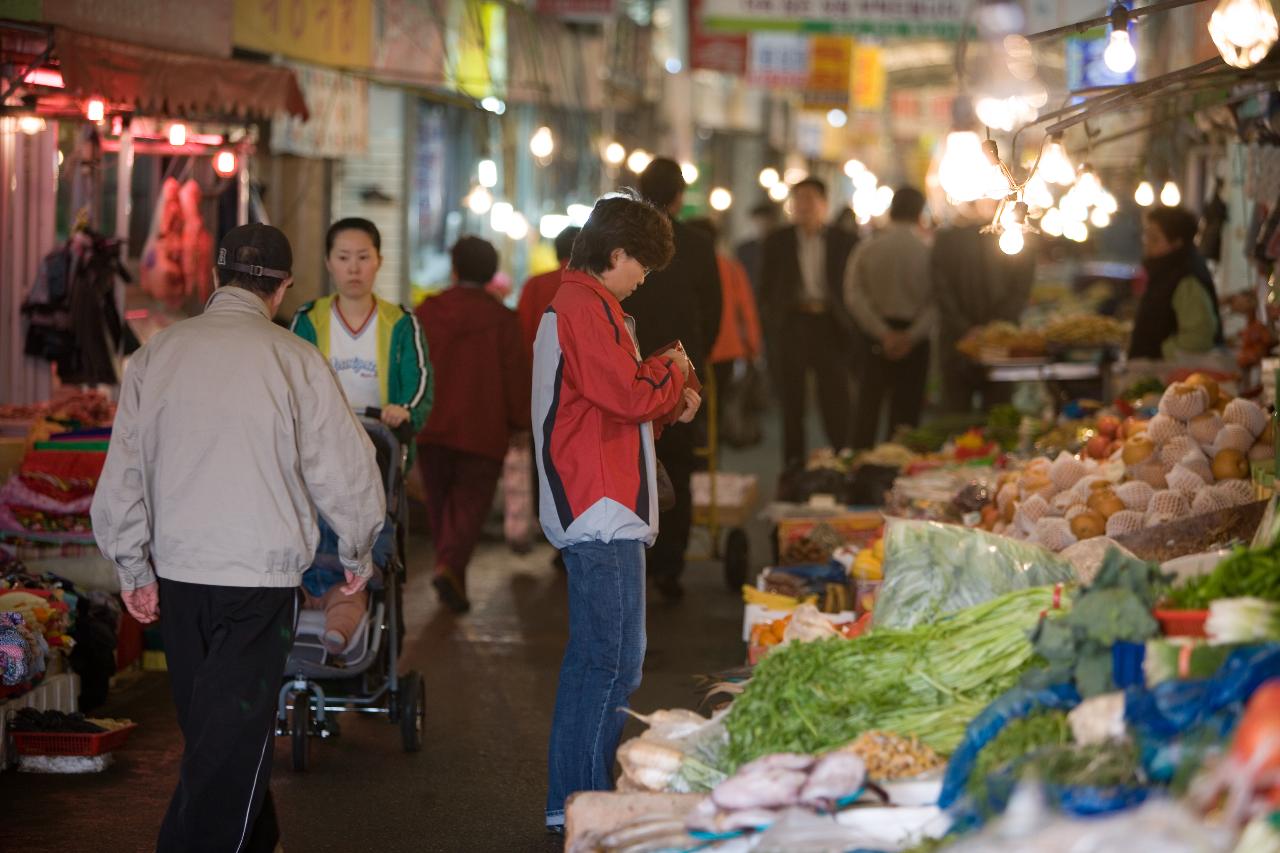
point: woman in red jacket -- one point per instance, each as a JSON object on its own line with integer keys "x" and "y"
{"x": 481, "y": 399}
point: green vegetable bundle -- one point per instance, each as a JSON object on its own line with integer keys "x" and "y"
{"x": 1247, "y": 573}
{"x": 928, "y": 681}
{"x": 1017, "y": 740}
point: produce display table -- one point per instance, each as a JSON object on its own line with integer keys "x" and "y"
{"x": 55, "y": 693}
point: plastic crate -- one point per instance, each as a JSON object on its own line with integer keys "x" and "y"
{"x": 70, "y": 743}
{"x": 1182, "y": 623}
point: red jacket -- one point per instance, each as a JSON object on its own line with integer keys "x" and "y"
{"x": 739, "y": 325}
{"x": 594, "y": 402}
{"x": 535, "y": 296}
{"x": 481, "y": 377}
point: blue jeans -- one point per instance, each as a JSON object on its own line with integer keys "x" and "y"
{"x": 601, "y": 667}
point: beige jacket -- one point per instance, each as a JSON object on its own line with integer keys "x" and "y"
{"x": 230, "y": 435}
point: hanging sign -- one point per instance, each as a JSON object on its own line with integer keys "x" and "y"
{"x": 577, "y": 10}
{"x": 779, "y": 60}
{"x": 723, "y": 52}
{"x": 339, "y": 123}
{"x": 337, "y": 33}
{"x": 868, "y": 83}
{"x": 830, "y": 59}
{"x": 903, "y": 18}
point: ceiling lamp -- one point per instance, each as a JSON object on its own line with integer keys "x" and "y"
{"x": 1055, "y": 165}
{"x": 1243, "y": 31}
{"x": 720, "y": 199}
{"x": 1170, "y": 195}
{"x": 1145, "y": 194}
{"x": 1120, "y": 56}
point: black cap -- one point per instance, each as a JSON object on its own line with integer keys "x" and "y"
{"x": 257, "y": 250}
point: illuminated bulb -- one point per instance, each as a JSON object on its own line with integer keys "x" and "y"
{"x": 494, "y": 105}
{"x": 479, "y": 201}
{"x": 177, "y": 134}
{"x": 500, "y": 216}
{"x": 1243, "y": 31}
{"x": 1120, "y": 56}
{"x": 866, "y": 181}
{"x": 1012, "y": 241}
{"x": 542, "y": 143}
{"x": 579, "y": 213}
{"x": 1088, "y": 186}
{"x": 30, "y": 125}
{"x": 853, "y": 168}
{"x": 224, "y": 163}
{"x": 1056, "y": 166}
{"x": 689, "y": 172}
{"x": 639, "y": 160}
{"x": 487, "y": 172}
{"x": 1100, "y": 218}
{"x": 1051, "y": 223}
{"x": 884, "y": 198}
{"x": 1076, "y": 231}
{"x": 1073, "y": 207}
{"x": 1108, "y": 203}
{"x": 552, "y": 224}
{"x": 794, "y": 175}
{"x": 769, "y": 177}
{"x": 779, "y": 191}
{"x": 518, "y": 227}
{"x": 95, "y": 110}
{"x": 964, "y": 169}
{"x": 1145, "y": 194}
{"x": 720, "y": 199}
{"x": 837, "y": 118}
{"x": 1170, "y": 196}
{"x": 1037, "y": 194}
{"x": 614, "y": 154}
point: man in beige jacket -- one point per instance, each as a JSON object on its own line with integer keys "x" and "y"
{"x": 231, "y": 434}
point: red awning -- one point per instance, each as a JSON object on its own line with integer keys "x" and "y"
{"x": 160, "y": 81}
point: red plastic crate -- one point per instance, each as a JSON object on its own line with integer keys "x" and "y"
{"x": 70, "y": 743}
{"x": 1182, "y": 623}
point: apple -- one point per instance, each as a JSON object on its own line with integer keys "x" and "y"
{"x": 1109, "y": 425}
{"x": 1138, "y": 448}
{"x": 1097, "y": 446}
{"x": 1230, "y": 464}
{"x": 1207, "y": 383}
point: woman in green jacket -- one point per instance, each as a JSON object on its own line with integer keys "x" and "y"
{"x": 380, "y": 355}
{"x": 1178, "y": 312}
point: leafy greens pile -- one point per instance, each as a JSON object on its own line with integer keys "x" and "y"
{"x": 1247, "y": 573}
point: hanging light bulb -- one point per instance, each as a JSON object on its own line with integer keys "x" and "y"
{"x": 1036, "y": 194}
{"x": 578, "y": 214}
{"x": 1145, "y": 194}
{"x": 1243, "y": 31}
{"x": 1077, "y": 232}
{"x": 1073, "y": 206}
{"x": 177, "y": 134}
{"x": 884, "y": 198}
{"x": 854, "y": 167}
{"x": 689, "y": 172}
{"x": 614, "y": 154}
{"x": 542, "y": 143}
{"x": 1055, "y": 165}
{"x": 1088, "y": 186}
{"x": 769, "y": 177}
{"x": 964, "y": 170}
{"x": 479, "y": 201}
{"x": 500, "y": 216}
{"x": 552, "y": 224}
{"x": 794, "y": 175}
{"x": 1120, "y": 56}
{"x": 837, "y": 118}
{"x": 1170, "y": 195}
{"x": 779, "y": 191}
{"x": 866, "y": 181}
{"x": 1107, "y": 202}
{"x": 1051, "y": 223}
{"x": 487, "y": 172}
{"x": 224, "y": 163}
{"x": 30, "y": 124}
{"x": 1012, "y": 241}
{"x": 518, "y": 227}
{"x": 720, "y": 199}
{"x": 639, "y": 160}
{"x": 1099, "y": 218}
{"x": 95, "y": 110}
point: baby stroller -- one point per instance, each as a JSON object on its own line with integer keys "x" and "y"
{"x": 363, "y": 677}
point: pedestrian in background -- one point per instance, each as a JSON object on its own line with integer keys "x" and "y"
{"x": 765, "y": 218}
{"x": 681, "y": 302}
{"x": 231, "y": 433}
{"x": 482, "y": 398}
{"x": 595, "y": 403}
{"x": 539, "y": 290}
{"x": 803, "y": 288}
{"x": 888, "y": 291}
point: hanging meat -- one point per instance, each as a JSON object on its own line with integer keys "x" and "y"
{"x": 177, "y": 260}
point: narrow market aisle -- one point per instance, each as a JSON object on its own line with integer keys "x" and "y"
{"x": 479, "y": 783}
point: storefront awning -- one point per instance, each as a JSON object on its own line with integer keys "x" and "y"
{"x": 160, "y": 81}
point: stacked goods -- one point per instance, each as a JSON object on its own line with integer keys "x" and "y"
{"x": 1001, "y": 339}
{"x": 1086, "y": 330}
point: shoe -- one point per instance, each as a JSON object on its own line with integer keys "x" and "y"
{"x": 669, "y": 588}
{"x": 555, "y": 829}
{"x": 334, "y": 642}
{"x": 451, "y": 593}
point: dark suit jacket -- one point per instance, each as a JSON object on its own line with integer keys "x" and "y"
{"x": 681, "y": 302}
{"x": 782, "y": 287}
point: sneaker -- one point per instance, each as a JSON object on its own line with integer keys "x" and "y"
{"x": 451, "y": 593}
{"x": 555, "y": 829}
{"x": 334, "y": 642}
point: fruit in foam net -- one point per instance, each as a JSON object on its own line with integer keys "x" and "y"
{"x": 1204, "y": 428}
{"x": 1137, "y": 448}
{"x": 1229, "y": 464}
{"x": 1105, "y": 503}
{"x": 1247, "y": 414}
{"x": 1088, "y": 524}
{"x": 1208, "y": 383}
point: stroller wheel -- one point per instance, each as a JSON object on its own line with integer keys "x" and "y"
{"x": 413, "y": 711}
{"x": 301, "y": 730}
{"x": 736, "y": 558}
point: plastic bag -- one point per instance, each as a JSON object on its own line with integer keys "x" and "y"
{"x": 517, "y": 495}
{"x": 932, "y": 569}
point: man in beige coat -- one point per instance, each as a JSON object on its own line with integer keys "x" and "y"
{"x": 231, "y": 434}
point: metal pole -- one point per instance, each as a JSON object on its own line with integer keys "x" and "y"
{"x": 1090, "y": 23}
{"x": 242, "y": 193}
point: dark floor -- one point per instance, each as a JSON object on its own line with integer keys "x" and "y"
{"x": 479, "y": 784}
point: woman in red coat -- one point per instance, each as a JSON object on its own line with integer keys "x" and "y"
{"x": 481, "y": 399}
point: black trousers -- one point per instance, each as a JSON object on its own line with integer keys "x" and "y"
{"x": 226, "y": 649}
{"x": 676, "y": 451}
{"x": 814, "y": 343}
{"x": 902, "y": 381}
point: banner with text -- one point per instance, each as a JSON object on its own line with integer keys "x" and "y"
{"x": 886, "y": 18}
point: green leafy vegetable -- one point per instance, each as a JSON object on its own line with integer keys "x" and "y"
{"x": 1016, "y": 741}
{"x": 1247, "y": 573}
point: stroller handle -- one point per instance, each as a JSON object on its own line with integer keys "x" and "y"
{"x": 403, "y": 433}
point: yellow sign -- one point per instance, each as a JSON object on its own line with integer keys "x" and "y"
{"x": 867, "y": 84}
{"x": 829, "y": 60}
{"x": 336, "y": 33}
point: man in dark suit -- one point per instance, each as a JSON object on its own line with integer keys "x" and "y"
{"x": 680, "y": 302}
{"x": 802, "y": 289}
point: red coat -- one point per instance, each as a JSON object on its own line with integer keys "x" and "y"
{"x": 481, "y": 377}
{"x": 534, "y": 299}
